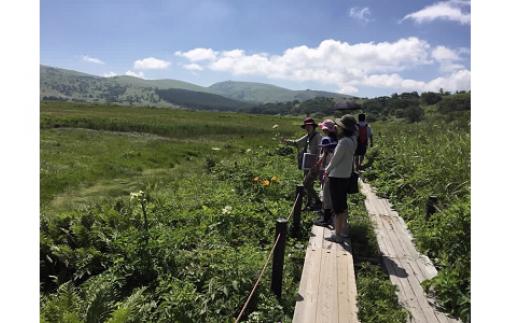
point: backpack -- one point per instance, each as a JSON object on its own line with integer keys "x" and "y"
{"x": 363, "y": 134}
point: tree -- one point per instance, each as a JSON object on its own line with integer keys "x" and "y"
{"x": 414, "y": 113}
{"x": 456, "y": 102}
{"x": 430, "y": 98}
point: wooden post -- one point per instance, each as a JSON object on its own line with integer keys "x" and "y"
{"x": 431, "y": 206}
{"x": 277, "y": 274}
{"x": 296, "y": 218}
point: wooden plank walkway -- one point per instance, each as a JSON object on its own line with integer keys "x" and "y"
{"x": 327, "y": 291}
{"x": 406, "y": 267}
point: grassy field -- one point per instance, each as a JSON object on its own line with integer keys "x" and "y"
{"x": 92, "y": 151}
{"x": 190, "y": 246}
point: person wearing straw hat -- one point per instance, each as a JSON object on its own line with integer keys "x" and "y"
{"x": 339, "y": 171}
{"x": 310, "y": 143}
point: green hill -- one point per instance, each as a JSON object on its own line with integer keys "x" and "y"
{"x": 199, "y": 100}
{"x": 160, "y": 84}
{"x": 68, "y": 85}
{"x": 62, "y": 84}
{"x": 267, "y": 93}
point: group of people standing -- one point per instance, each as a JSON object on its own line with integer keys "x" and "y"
{"x": 341, "y": 150}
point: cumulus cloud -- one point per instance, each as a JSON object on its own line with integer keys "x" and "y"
{"x": 198, "y": 54}
{"x": 151, "y": 63}
{"x": 448, "y": 59}
{"x": 442, "y": 53}
{"x": 459, "y": 80}
{"x": 193, "y": 67}
{"x": 346, "y": 66}
{"x": 453, "y": 10}
{"x": 361, "y": 14}
{"x": 134, "y": 74}
{"x": 109, "y": 74}
{"x": 94, "y": 60}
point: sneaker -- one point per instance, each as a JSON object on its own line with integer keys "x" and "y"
{"x": 345, "y": 236}
{"x": 335, "y": 238}
{"x": 321, "y": 223}
{"x": 316, "y": 207}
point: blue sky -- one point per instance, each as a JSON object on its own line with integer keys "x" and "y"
{"x": 363, "y": 48}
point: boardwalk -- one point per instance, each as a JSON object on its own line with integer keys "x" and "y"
{"x": 406, "y": 267}
{"x": 327, "y": 290}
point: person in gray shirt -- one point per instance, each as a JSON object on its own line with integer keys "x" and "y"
{"x": 310, "y": 143}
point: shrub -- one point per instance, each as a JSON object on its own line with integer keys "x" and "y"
{"x": 456, "y": 102}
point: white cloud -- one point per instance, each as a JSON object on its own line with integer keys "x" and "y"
{"x": 340, "y": 64}
{"x": 134, "y": 74}
{"x": 331, "y": 62}
{"x": 151, "y": 63}
{"x": 198, "y": 54}
{"x": 459, "y": 80}
{"x": 193, "y": 67}
{"x": 94, "y": 60}
{"x": 448, "y": 58}
{"x": 441, "y": 53}
{"x": 109, "y": 74}
{"x": 454, "y": 10}
{"x": 362, "y": 14}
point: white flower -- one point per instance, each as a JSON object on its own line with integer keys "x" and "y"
{"x": 215, "y": 148}
{"x": 139, "y": 194}
{"x": 227, "y": 209}
{"x": 275, "y": 126}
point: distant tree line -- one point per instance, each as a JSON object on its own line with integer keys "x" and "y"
{"x": 200, "y": 100}
{"x": 409, "y": 105}
{"x": 406, "y": 105}
{"x": 316, "y": 105}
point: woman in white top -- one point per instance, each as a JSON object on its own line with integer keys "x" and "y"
{"x": 339, "y": 170}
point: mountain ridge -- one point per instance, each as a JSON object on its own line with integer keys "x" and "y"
{"x": 64, "y": 84}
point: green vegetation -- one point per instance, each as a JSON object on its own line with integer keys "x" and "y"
{"x": 58, "y": 84}
{"x": 322, "y": 105}
{"x": 410, "y": 106}
{"x": 189, "y": 247}
{"x": 377, "y": 298}
{"x": 413, "y": 161}
{"x": 199, "y": 100}
{"x": 267, "y": 93}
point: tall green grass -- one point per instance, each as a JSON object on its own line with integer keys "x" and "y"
{"x": 411, "y": 162}
{"x": 214, "y": 184}
{"x": 90, "y": 151}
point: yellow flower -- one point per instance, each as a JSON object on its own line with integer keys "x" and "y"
{"x": 274, "y": 179}
{"x": 265, "y": 183}
{"x": 256, "y": 179}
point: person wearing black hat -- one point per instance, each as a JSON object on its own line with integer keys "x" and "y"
{"x": 310, "y": 143}
{"x": 339, "y": 171}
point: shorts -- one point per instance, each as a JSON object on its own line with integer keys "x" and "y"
{"x": 338, "y": 194}
{"x": 361, "y": 149}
